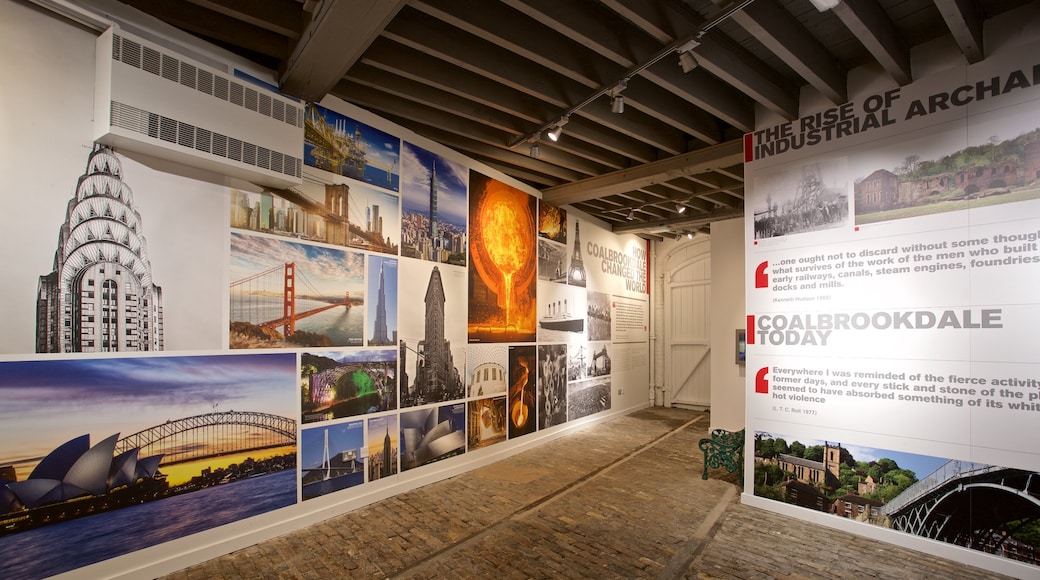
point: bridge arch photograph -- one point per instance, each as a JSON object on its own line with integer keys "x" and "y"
{"x": 93, "y": 447}
{"x": 983, "y": 507}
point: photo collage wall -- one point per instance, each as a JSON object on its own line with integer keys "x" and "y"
{"x": 190, "y": 352}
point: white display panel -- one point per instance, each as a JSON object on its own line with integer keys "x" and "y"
{"x": 892, "y": 251}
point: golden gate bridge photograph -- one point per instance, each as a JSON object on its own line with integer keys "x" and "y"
{"x": 288, "y": 294}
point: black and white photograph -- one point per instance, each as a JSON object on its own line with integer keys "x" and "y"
{"x": 811, "y": 197}
{"x": 589, "y": 380}
{"x": 552, "y": 385}
{"x": 561, "y": 312}
{"x": 433, "y": 333}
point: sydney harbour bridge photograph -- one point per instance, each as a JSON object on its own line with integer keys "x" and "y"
{"x": 92, "y": 449}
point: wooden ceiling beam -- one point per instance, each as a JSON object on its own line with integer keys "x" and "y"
{"x": 777, "y": 30}
{"x": 668, "y": 22}
{"x": 869, "y": 23}
{"x": 333, "y": 41}
{"x": 965, "y": 23}
{"x": 722, "y": 155}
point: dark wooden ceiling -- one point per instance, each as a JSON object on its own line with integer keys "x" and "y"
{"x": 489, "y": 78}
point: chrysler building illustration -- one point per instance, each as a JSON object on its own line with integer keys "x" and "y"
{"x": 100, "y": 296}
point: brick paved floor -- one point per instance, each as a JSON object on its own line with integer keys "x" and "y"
{"x": 620, "y": 499}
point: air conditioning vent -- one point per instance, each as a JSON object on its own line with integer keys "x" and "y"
{"x": 158, "y": 102}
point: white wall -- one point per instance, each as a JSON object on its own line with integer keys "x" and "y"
{"x": 943, "y": 433}
{"x": 45, "y": 137}
{"x": 727, "y": 315}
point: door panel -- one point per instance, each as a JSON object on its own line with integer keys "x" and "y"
{"x": 686, "y": 327}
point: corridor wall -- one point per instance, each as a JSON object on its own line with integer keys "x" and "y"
{"x": 248, "y": 360}
{"x": 891, "y": 266}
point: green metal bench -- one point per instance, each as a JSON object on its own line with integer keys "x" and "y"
{"x": 724, "y": 449}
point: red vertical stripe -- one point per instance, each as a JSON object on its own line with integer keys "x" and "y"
{"x": 647, "y": 255}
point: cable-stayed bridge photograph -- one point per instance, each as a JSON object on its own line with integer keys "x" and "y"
{"x": 332, "y": 458}
{"x": 112, "y": 455}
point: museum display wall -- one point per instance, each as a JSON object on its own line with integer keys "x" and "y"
{"x": 194, "y": 360}
{"x": 891, "y": 273}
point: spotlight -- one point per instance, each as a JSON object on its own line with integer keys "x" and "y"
{"x": 680, "y": 207}
{"x": 534, "y": 151}
{"x": 631, "y": 215}
{"x": 617, "y": 104}
{"x": 554, "y": 135}
{"x": 689, "y": 235}
{"x": 824, "y": 5}
{"x": 687, "y": 61}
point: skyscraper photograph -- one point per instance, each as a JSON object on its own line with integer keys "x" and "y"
{"x": 382, "y": 447}
{"x": 382, "y": 308}
{"x": 431, "y": 367}
{"x": 433, "y": 205}
{"x": 100, "y": 296}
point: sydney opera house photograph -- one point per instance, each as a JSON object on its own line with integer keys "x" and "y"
{"x": 77, "y": 466}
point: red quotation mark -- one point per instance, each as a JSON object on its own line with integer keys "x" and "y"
{"x": 761, "y": 278}
{"x": 761, "y": 382}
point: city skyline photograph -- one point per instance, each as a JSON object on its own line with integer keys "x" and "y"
{"x": 433, "y": 206}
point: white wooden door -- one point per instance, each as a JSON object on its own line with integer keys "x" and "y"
{"x": 687, "y": 298}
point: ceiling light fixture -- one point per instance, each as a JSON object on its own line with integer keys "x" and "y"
{"x": 678, "y": 236}
{"x": 687, "y": 61}
{"x": 554, "y": 135}
{"x": 617, "y": 104}
{"x": 689, "y": 235}
{"x": 631, "y": 215}
{"x": 534, "y": 151}
{"x": 680, "y": 208}
{"x": 824, "y": 5}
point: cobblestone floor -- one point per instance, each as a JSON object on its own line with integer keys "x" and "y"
{"x": 620, "y": 499}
